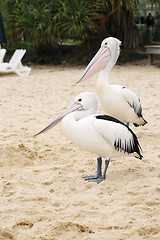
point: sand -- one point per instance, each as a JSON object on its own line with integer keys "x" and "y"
{"x": 43, "y": 195}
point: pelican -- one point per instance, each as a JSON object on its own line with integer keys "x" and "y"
{"x": 102, "y": 135}
{"x": 116, "y": 100}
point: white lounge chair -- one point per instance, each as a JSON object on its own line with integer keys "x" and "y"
{"x": 15, "y": 65}
{"x": 2, "y": 54}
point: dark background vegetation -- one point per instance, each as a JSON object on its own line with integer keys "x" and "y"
{"x": 56, "y": 31}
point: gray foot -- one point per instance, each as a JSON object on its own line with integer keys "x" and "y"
{"x": 98, "y": 180}
{"x": 90, "y": 178}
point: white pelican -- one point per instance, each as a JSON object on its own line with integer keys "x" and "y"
{"x": 102, "y": 135}
{"x": 116, "y": 100}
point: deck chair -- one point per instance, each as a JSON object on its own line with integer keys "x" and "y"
{"x": 2, "y": 54}
{"x": 15, "y": 65}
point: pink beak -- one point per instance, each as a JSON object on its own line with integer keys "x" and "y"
{"x": 75, "y": 106}
{"x": 98, "y": 62}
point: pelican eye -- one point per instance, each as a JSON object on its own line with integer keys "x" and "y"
{"x": 79, "y": 100}
{"x": 106, "y": 43}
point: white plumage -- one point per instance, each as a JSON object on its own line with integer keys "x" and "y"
{"x": 102, "y": 135}
{"x": 116, "y": 100}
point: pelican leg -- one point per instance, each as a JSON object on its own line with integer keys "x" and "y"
{"x": 99, "y": 171}
{"x": 103, "y": 177}
{"x": 127, "y": 124}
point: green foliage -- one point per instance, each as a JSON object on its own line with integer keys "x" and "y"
{"x": 44, "y": 22}
{"x": 35, "y": 21}
{"x": 142, "y": 30}
{"x": 157, "y": 30}
{"x": 6, "y": 8}
{"x": 75, "y": 18}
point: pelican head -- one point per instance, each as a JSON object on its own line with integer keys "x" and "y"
{"x": 107, "y": 54}
{"x": 84, "y": 105}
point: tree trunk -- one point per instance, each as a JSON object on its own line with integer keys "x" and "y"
{"x": 123, "y": 27}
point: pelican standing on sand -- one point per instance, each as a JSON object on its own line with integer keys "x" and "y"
{"x": 102, "y": 135}
{"x": 116, "y": 100}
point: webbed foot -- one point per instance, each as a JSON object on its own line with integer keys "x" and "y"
{"x": 92, "y": 178}
{"x": 97, "y": 178}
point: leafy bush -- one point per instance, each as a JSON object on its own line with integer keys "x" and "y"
{"x": 157, "y": 30}
{"x": 44, "y": 22}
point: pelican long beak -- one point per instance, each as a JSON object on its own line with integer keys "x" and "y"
{"x": 97, "y": 63}
{"x": 75, "y": 106}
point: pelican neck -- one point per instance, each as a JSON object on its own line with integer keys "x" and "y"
{"x": 103, "y": 75}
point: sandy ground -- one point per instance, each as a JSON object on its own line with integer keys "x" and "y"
{"x": 43, "y": 195}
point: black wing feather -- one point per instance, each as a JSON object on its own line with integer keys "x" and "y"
{"x": 132, "y": 146}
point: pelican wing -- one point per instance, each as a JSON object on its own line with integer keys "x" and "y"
{"x": 117, "y": 134}
{"x": 132, "y": 100}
